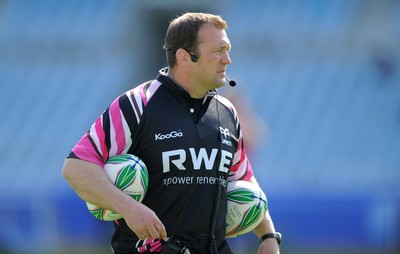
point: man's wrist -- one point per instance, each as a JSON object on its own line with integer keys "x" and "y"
{"x": 277, "y": 236}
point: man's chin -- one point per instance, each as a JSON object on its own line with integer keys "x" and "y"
{"x": 220, "y": 82}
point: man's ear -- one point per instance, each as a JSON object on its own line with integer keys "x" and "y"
{"x": 182, "y": 57}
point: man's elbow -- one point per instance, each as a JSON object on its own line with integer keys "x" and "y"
{"x": 68, "y": 169}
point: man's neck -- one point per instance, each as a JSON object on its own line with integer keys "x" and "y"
{"x": 184, "y": 81}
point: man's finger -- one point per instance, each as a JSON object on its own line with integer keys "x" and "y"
{"x": 161, "y": 230}
{"x": 154, "y": 233}
{"x": 141, "y": 236}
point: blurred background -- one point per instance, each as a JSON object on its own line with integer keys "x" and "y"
{"x": 319, "y": 88}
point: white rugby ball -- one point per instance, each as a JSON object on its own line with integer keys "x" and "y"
{"x": 129, "y": 174}
{"x": 247, "y": 205}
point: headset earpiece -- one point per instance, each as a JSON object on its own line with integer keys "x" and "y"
{"x": 193, "y": 58}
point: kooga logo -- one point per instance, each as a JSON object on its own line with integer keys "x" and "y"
{"x": 172, "y": 134}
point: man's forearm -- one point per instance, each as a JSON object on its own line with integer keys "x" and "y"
{"x": 92, "y": 184}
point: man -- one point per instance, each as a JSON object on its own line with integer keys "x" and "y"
{"x": 180, "y": 127}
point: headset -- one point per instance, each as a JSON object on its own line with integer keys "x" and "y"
{"x": 194, "y": 59}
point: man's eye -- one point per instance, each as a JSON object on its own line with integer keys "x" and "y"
{"x": 222, "y": 50}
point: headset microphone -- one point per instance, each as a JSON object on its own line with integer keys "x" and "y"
{"x": 232, "y": 82}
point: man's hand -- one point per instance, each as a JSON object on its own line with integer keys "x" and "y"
{"x": 144, "y": 222}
